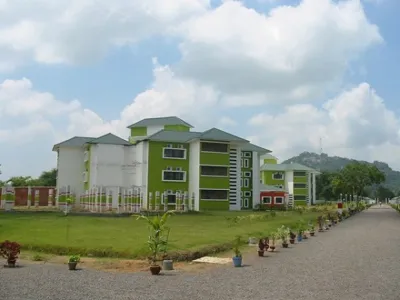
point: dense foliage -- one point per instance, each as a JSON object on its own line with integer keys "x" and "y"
{"x": 47, "y": 178}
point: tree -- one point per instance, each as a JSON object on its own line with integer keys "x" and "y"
{"x": 325, "y": 189}
{"x": 355, "y": 177}
{"x": 48, "y": 178}
{"x": 383, "y": 193}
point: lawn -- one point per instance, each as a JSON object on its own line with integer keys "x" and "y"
{"x": 126, "y": 237}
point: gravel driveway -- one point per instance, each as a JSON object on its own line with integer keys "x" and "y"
{"x": 358, "y": 259}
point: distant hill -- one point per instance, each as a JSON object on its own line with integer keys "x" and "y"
{"x": 335, "y": 163}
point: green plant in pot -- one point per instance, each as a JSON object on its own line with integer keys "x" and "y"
{"x": 237, "y": 258}
{"x": 158, "y": 238}
{"x": 284, "y": 233}
{"x": 274, "y": 237}
{"x": 312, "y": 230}
{"x": 10, "y": 251}
{"x": 292, "y": 236}
{"x": 73, "y": 262}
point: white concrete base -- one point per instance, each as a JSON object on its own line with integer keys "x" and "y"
{"x": 9, "y": 205}
{"x": 213, "y": 260}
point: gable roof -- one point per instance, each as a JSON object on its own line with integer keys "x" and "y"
{"x": 76, "y": 141}
{"x": 254, "y": 148}
{"x": 161, "y": 121}
{"x": 215, "y": 134}
{"x": 286, "y": 167}
{"x": 173, "y": 136}
{"x": 110, "y": 139}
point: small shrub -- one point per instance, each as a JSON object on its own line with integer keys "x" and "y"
{"x": 37, "y": 257}
{"x": 10, "y": 251}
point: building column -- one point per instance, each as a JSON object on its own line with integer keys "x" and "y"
{"x": 314, "y": 184}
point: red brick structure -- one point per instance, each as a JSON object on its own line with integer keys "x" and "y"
{"x": 272, "y": 196}
{"x": 21, "y": 195}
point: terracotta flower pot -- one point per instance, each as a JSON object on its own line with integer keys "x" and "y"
{"x": 285, "y": 245}
{"x": 260, "y": 253}
{"x": 291, "y": 241}
{"x": 155, "y": 269}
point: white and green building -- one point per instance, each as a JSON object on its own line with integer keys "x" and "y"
{"x": 163, "y": 158}
{"x": 298, "y": 181}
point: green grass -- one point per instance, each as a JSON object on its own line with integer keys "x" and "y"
{"x": 126, "y": 237}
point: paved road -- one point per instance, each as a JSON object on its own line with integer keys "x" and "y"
{"x": 356, "y": 260}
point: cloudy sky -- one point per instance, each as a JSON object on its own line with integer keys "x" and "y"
{"x": 281, "y": 73}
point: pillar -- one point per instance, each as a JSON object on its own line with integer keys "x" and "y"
{"x": 29, "y": 201}
{"x": 50, "y": 198}
{"x": 37, "y": 195}
{"x": 9, "y": 198}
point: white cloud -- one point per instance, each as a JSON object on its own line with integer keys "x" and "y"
{"x": 292, "y": 54}
{"x": 356, "y": 123}
{"x": 81, "y": 31}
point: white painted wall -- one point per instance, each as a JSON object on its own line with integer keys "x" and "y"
{"x": 256, "y": 179}
{"x": 235, "y": 174}
{"x": 141, "y": 177}
{"x": 314, "y": 183}
{"x": 153, "y": 129}
{"x": 70, "y": 165}
{"x": 194, "y": 174}
{"x": 106, "y": 162}
{"x": 289, "y": 181}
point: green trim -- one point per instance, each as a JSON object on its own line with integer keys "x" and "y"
{"x": 176, "y": 128}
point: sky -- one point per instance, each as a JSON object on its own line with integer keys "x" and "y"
{"x": 290, "y": 76}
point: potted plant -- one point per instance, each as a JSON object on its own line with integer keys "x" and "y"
{"x": 300, "y": 232}
{"x": 284, "y": 232}
{"x": 237, "y": 258}
{"x": 261, "y": 247}
{"x": 320, "y": 222}
{"x": 312, "y": 230}
{"x": 274, "y": 237}
{"x": 73, "y": 262}
{"x": 292, "y": 237}
{"x": 10, "y": 251}
{"x": 158, "y": 238}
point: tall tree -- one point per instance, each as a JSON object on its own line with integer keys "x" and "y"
{"x": 48, "y": 178}
{"x": 355, "y": 177}
{"x": 325, "y": 189}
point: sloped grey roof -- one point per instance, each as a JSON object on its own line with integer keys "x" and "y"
{"x": 272, "y": 188}
{"x": 160, "y": 122}
{"x": 215, "y": 134}
{"x": 110, "y": 139}
{"x": 173, "y": 136}
{"x": 286, "y": 167}
{"x": 76, "y": 141}
{"x": 254, "y": 148}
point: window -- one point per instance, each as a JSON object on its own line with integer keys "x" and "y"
{"x": 174, "y": 153}
{"x": 247, "y": 174}
{"x": 278, "y": 200}
{"x": 214, "y": 171}
{"x": 299, "y": 173}
{"x": 213, "y": 194}
{"x": 246, "y": 203}
{"x": 247, "y": 154}
{"x": 266, "y": 200}
{"x": 247, "y": 194}
{"x": 246, "y": 163}
{"x": 246, "y": 182}
{"x": 278, "y": 176}
{"x": 299, "y": 197}
{"x": 299, "y": 185}
{"x": 214, "y": 147}
{"x": 169, "y": 197}
{"x": 174, "y": 176}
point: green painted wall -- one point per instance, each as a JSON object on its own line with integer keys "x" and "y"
{"x": 157, "y": 164}
{"x": 177, "y": 128}
{"x": 243, "y": 170}
{"x": 271, "y": 161}
{"x": 300, "y": 192}
{"x": 300, "y": 179}
{"x": 139, "y": 131}
{"x": 207, "y": 182}
{"x": 86, "y": 185}
{"x": 267, "y": 178}
{"x": 300, "y": 203}
{"x": 214, "y": 205}
{"x": 221, "y": 159}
